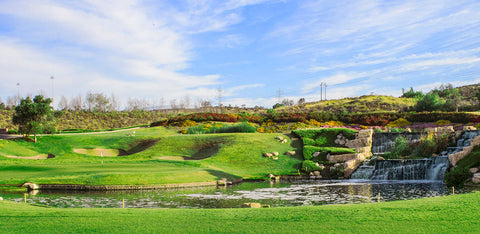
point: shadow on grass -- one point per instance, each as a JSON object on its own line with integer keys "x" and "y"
{"x": 221, "y": 174}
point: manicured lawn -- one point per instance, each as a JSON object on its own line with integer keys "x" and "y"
{"x": 450, "y": 214}
{"x": 149, "y": 161}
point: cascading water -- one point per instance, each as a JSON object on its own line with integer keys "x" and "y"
{"x": 385, "y": 142}
{"x": 433, "y": 168}
{"x": 411, "y": 169}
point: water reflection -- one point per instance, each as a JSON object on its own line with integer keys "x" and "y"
{"x": 275, "y": 195}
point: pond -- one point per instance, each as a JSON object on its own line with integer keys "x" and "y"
{"x": 273, "y": 194}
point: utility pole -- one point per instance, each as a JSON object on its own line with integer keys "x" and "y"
{"x": 325, "y": 91}
{"x": 17, "y": 99}
{"x": 53, "y": 91}
{"x": 321, "y": 88}
{"x": 279, "y": 96}
{"x": 220, "y": 96}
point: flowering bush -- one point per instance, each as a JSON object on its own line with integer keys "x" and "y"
{"x": 401, "y": 122}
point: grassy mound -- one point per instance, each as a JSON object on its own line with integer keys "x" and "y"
{"x": 209, "y": 158}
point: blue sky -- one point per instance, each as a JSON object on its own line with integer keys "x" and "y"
{"x": 169, "y": 50}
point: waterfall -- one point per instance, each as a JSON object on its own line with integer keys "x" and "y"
{"x": 411, "y": 169}
{"x": 433, "y": 168}
{"x": 385, "y": 142}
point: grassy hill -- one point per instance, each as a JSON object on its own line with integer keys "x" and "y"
{"x": 363, "y": 104}
{"x": 150, "y": 156}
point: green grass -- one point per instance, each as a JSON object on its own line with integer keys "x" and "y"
{"x": 213, "y": 156}
{"x": 450, "y": 214}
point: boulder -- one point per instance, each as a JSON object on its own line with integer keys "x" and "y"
{"x": 380, "y": 158}
{"x": 280, "y": 138}
{"x": 275, "y": 154}
{"x": 291, "y": 153}
{"x": 30, "y": 186}
{"x": 337, "y": 164}
{"x": 315, "y": 154}
{"x": 275, "y": 158}
{"x": 476, "y": 178}
{"x": 316, "y": 173}
{"x": 469, "y": 128}
{"x": 473, "y": 170}
{"x": 284, "y": 141}
{"x": 1, "y": 198}
{"x": 251, "y": 205}
{"x": 269, "y": 155}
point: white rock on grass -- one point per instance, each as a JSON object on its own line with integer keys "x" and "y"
{"x": 275, "y": 154}
{"x": 476, "y": 178}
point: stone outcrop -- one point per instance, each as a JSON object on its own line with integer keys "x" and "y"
{"x": 476, "y": 178}
{"x": 30, "y": 186}
{"x": 362, "y": 145}
{"x": 454, "y": 158}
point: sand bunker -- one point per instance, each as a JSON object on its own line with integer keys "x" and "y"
{"x": 101, "y": 152}
{"x": 40, "y": 156}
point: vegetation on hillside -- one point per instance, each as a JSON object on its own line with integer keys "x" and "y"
{"x": 458, "y": 176}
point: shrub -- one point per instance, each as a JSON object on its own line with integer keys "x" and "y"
{"x": 456, "y": 177}
{"x": 401, "y": 122}
{"x": 443, "y": 122}
{"x": 309, "y": 166}
{"x": 241, "y": 127}
{"x": 308, "y": 141}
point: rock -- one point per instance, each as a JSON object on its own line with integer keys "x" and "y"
{"x": 380, "y": 158}
{"x": 469, "y": 128}
{"x": 269, "y": 155}
{"x": 473, "y": 170}
{"x": 291, "y": 153}
{"x": 251, "y": 205}
{"x": 275, "y": 158}
{"x": 284, "y": 141}
{"x": 337, "y": 164}
{"x": 1, "y": 198}
{"x": 270, "y": 176}
{"x": 30, "y": 186}
{"x": 315, "y": 154}
{"x": 316, "y": 164}
{"x": 476, "y": 178}
{"x": 280, "y": 138}
{"x": 275, "y": 154}
{"x": 316, "y": 173}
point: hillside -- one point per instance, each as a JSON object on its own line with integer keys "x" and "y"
{"x": 363, "y": 104}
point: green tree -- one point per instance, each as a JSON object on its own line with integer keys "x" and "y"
{"x": 32, "y": 115}
{"x": 429, "y": 102}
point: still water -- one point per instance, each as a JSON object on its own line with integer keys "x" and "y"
{"x": 275, "y": 195}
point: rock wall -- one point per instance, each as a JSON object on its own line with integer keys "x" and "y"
{"x": 454, "y": 158}
{"x": 362, "y": 145}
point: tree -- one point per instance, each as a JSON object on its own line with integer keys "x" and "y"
{"x": 429, "y": 102}
{"x": 31, "y": 116}
{"x": 97, "y": 102}
{"x": 63, "y": 104}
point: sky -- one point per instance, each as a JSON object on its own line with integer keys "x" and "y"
{"x": 256, "y": 52}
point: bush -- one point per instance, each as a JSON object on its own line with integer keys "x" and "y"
{"x": 401, "y": 122}
{"x": 456, "y": 177}
{"x": 241, "y": 127}
{"x": 401, "y": 149}
{"x": 443, "y": 122}
{"x": 309, "y": 166}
